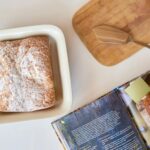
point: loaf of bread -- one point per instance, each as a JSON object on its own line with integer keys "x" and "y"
{"x": 26, "y": 80}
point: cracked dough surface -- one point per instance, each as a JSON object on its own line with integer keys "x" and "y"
{"x": 26, "y": 81}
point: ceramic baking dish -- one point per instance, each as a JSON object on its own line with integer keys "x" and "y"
{"x": 60, "y": 68}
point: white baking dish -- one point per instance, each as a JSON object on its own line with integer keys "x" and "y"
{"x": 60, "y": 70}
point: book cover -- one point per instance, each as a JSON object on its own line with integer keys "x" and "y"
{"x": 102, "y": 125}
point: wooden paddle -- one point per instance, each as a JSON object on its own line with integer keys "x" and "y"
{"x": 112, "y": 35}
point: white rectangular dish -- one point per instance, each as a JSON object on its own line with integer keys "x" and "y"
{"x": 60, "y": 68}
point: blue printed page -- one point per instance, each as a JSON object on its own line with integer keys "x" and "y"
{"x": 102, "y": 125}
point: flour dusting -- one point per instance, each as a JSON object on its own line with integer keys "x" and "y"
{"x": 26, "y": 82}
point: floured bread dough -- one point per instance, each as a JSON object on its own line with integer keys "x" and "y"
{"x": 26, "y": 81}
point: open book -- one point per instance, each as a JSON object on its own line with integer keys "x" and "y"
{"x": 112, "y": 122}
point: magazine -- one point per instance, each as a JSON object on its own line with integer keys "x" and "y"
{"x": 112, "y": 122}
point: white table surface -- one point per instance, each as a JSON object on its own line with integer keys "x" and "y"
{"x": 89, "y": 78}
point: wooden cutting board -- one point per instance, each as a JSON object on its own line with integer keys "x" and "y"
{"x": 132, "y": 16}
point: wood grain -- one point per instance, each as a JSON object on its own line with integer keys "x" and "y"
{"x": 132, "y": 16}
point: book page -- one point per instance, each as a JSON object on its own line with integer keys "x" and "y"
{"x": 102, "y": 125}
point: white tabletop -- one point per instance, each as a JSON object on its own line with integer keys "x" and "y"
{"x": 89, "y": 78}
